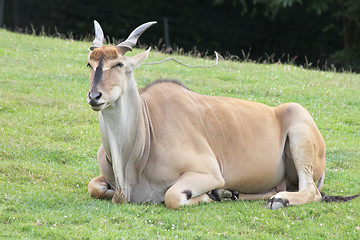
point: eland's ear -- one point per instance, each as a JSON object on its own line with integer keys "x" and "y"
{"x": 137, "y": 59}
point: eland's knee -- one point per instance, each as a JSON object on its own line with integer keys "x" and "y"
{"x": 99, "y": 188}
{"x": 174, "y": 200}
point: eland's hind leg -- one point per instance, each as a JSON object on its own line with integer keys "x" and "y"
{"x": 102, "y": 186}
{"x": 307, "y": 151}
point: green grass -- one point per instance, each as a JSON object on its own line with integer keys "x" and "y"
{"x": 49, "y": 137}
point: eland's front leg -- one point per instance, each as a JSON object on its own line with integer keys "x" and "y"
{"x": 103, "y": 186}
{"x": 193, "y": 188}
{"x": 100, "y": 188}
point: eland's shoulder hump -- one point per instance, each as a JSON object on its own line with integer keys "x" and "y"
{"x": 161, "y": 82}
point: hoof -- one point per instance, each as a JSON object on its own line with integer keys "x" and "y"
{"x": 276, "y": 203}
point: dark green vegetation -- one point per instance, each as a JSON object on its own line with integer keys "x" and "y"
{"x": 49, "y": 137}
{"x": 300, "y": 31}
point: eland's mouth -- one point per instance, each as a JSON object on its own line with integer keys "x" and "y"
{"x": 97, "y": 106}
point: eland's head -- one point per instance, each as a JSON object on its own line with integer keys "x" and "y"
{"x": 110, "y": 70}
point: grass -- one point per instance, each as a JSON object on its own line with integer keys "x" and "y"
{"x": 49, "y": 138}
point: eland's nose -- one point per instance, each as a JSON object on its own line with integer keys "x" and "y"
{"x": 94, "y": 97}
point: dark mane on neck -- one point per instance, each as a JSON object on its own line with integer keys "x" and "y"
{"x": 162, "y": 81}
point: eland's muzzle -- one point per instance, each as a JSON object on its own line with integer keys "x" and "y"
{"x": 94, "y": 97}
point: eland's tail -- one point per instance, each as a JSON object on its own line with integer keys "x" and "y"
{"x": 337, "y": 198}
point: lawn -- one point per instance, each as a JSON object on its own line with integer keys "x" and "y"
{"x": 49, "y": 137}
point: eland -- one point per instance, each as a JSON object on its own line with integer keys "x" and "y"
{"x": 165, "y": 143}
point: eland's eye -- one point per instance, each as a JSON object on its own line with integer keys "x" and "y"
{"x": 117, "y": 65}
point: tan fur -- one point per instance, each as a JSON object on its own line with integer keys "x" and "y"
{"x": 109, "y": 52}
{"x": 169, "y": 143}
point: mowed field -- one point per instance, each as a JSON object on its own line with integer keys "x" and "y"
{"x": 49, "y": 137}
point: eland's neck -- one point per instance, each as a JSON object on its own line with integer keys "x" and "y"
{"x": 123, "y": 135}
